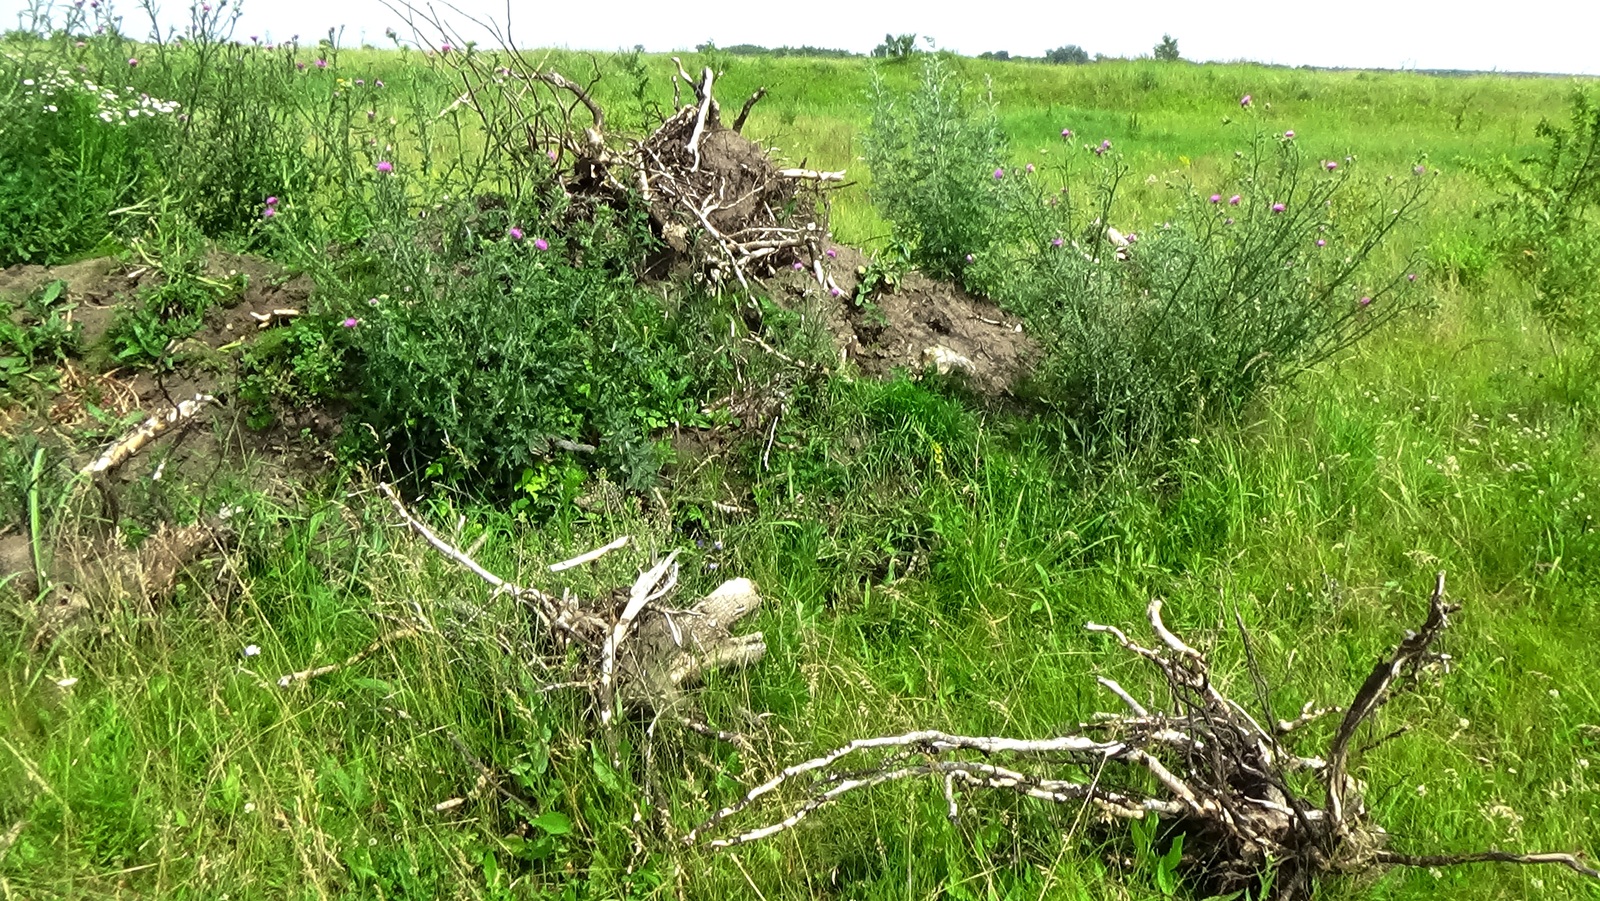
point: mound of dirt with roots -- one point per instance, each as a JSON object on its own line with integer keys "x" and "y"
{"x": 922, "y": 324}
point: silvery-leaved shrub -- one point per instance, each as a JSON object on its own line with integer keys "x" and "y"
{"x": 1247, "y": 281}
{"x": 937, "y": 161}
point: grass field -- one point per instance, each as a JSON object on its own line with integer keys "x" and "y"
{"x": 926, "y": 561}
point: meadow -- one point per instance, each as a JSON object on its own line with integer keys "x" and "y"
{"x": 927, "y": 556}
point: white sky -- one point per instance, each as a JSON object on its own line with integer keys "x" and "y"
{"x": 1504, "y": 35}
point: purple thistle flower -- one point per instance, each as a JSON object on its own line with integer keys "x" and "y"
{"x": 515, "y": 233}
{"x": 352, "y": 322}
{"x": 1411, "y": 276}
{"x": 999, "y": 174}
{"x": 831, "y": 253}
{"x": 1244, "y": 101}
{"x": 322, "y": 63}
{"x": 300, "y": 66}
{"x": 1329, "y": 165}
{"x": 268, "y": 213}
{"x": 272, "y": 201}
{"x": 1278, "y": 208}
{"x": 1234, "y": 200}
{"x": 385, "y": 166}
{"x": 541, "y": 244}
{"x": 133, "y": 61}
{"x": 1029, "y": 169}
{"x": 1106, "y": 144}
{"x": 1057, "y": 241}
{"x": 1289, "y": 134}
{"x": 969, "y": 257}
{"x": 1321, "y": 243}
{"x": 799, "y": 265}
{"x": 1420, "y": 169}
{"x": 1364, "y": 302}
{"x": 1216, "y": 198}
{"x": 445, "y": 48}
{"x": 836, "y": 292}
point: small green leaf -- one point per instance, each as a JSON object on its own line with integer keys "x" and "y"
{"x": 553, "y": 822}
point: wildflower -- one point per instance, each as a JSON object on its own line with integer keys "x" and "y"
{"x": 969, "y": 257}
{"x": 1028, "y": 168}
{"x": 268, "y": 213}
{"x": 836, "y": 292}
{"x": 1420, "y": 169}
{"x": 351, "y": 322}
{"x": 1105, "y": 145}
{"x": 1066, "y": 134}
{"x": 385, "y": 166}
{"x": 300, "y": 66}
{"x": 1244, "y": 101}
{"x": 551, "y": 153}
{"x": 255, "y": 39}
{"x": 831, "y": 253}
{"x": 515, "y": 233}
{"x": 133, "y": 61}
{"x": 360, "y": 82}
{"x": 372, "y": 301}
{"x": 541, "y": 244}
{"x": 252, "y": 650}
{"x": 1364, "y": 302}
{"x": 272, "y": 201}
{"x": 1329, "y": 165}
{"x": 1321, "y": 243}
{"x": 445, "y": 48}
{"x": 378, "y": 83}
{"x": 1216, "y": 198}
{"x": 1278, "y": 208}
{"x": 799, "y": 265}
{"x": 999, "y": 174}
{"x": 322, "y": 63}
{"x": 1411, "y": 276}
{"x": 1289, "y": 135}
{"x": 1228, "y": 221}
{"x": 1234, "y": 200}
{"x": 1057, "y": 241}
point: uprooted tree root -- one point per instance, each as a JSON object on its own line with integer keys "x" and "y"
{"x": 634, "y": 652}
{"x": 716, "y": 199}
{"x": 1225, "y": 781}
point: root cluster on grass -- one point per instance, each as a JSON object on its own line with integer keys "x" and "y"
{"x": 1247, "y": 802}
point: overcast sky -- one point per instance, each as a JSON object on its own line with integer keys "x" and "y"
{"x": 1504, "y": 35}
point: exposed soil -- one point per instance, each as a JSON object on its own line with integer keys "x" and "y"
{"x": 92, "y": 405}
{"x": 920, "y": 325}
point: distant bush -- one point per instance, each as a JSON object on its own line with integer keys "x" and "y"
{"x": 937, "y": 160}
{"x": 1071, "y": 55}
{"x": 1548, "y": 216}
{"x": 1167, "y": 50}
{"x": 896, "y": 46}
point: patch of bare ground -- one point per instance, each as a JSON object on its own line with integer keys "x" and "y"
{"x": 131, "y": 447}
{"x": 922, "y": 324}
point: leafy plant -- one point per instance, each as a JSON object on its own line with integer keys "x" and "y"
{"x": 1244, "y": 285}
{"x": 31, "y": 349}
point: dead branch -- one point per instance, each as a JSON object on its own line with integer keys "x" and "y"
{"x": 152, "y": 428}
{"x": 744, "y": 111}
{"x": 1205, "y": 762}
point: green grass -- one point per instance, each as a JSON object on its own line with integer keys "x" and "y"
{"x": 925, "y": 564}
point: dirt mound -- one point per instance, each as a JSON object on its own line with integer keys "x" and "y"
{"x": 921, "y": 324}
